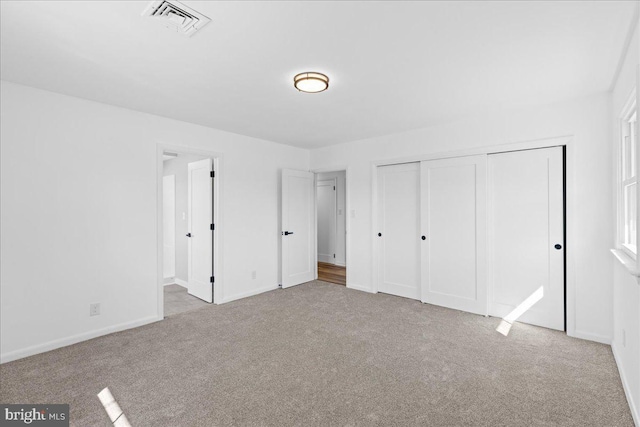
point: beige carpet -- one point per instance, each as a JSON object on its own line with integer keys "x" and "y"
{"x": 321, "y": 354}
{"x": 177, "y": 300}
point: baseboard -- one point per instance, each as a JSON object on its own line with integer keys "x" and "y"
{"x": 360, "y": 288}
{"x": 591, "y": 337}
{"x": 248, "y": 294}
{"x": 64, "y": 342}
{"x": 325, "y": 258}
{"x": 625, "y": 385}
{"x": 340, "y": 264}
{"x": 181, "y": 282}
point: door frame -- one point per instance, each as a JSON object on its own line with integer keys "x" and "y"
{"x": 347, "y": 218}
{"x": 173, "y": 180}
{"x": 335, "y": 216}
{"x": 566, "y": 141}
{"x": 218, "y": 235}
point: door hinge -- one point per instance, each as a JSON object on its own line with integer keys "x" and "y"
{"x": 213, "y": 226}
{"x": 334, "y": 255}
{"x": 213, "y": 279}
{"x": 213, "y": 174}
{"x": 334, "y": 188}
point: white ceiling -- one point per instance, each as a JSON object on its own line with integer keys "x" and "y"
{"x": 394, "y": 66}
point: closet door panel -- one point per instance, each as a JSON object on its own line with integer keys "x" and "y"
{"x": 526, "y": 219}
{"x": 453, "y": 224}
{"x": 399, "y": 228}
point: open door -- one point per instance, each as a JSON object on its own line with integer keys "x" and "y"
{"x": 298, "y": 228}
{"x": 326, "y": 211}
{"x": 200, "y": 220}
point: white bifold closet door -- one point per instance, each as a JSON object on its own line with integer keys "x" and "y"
{"x": 399, "y": 230}
{"x": 526, "y": 244}
{"x": 453, "y": 217}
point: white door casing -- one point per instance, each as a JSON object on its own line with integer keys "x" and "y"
{"x": 298, "y": 228}
{"x": 327, "y": 220}
{"x": 526, "y": 222}
{"x": 200, "y": 218}
{"x": 399, "y": 230}
{"x": 169, "y": 226}
{"x": 453, "y": 223}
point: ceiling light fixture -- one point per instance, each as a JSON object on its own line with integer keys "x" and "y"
{"x": 311, "y": 82}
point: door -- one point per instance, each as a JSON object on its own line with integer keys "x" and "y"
{"x": 399, "y": 230}
{"x": 169, "y": 226}
{"x": 526, "y": 249}
{"x": 298, "y": 228}
{"x": 326, "y": 220}
{"x": 453, "y": 196}
{"x": 200, "y": 235}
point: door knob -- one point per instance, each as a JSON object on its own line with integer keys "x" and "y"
{"x": 558, "y": 246}
{"x": 286, "y": 233}
{"x": 424, "y": 237}
{"x": 188, "y": 234}
{"x": 379, "y": 234}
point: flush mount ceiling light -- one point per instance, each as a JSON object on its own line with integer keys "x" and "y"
{"x": 311, "y": 82}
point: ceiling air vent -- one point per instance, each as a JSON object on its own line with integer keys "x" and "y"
{"x": 176, "y": 16}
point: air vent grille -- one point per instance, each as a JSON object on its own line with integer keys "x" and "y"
{"x": 176, "y": 16}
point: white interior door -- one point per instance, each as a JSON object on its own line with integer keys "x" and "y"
{"x": 326, "y": 207}
{"x": 399, "y": 230}
{"x": 200, "y": 218}
{"x": 526, "y": 249}
{"x": 169, "y": 225}
{"x": 298, "y": 228}
{"x": 454, "y": 229}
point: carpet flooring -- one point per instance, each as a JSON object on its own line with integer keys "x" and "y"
{"x": 325, "y": 355}
{"x": 177, "y": 300}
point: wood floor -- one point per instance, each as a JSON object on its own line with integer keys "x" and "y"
{"x": 332, "y": 273}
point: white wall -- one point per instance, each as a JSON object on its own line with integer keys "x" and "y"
{"x": 586, "y": 119}
{"x": 341, "y": 248}
{"x": 178, "y": 167}
{"x": 79, "y": 215}
{"x": 626, "y": 288}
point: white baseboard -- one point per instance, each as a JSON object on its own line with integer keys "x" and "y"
{"x": 340, "y": 264}
{"x": 181, "y": 282}
{"x": 248, "y": 294}
{"x": 591, "y": 337}
{"x": 625, "y": 385}
{"x": 360, "y": 288}
{"x": 74, "y": 339}
{"x": 326, "y": 258}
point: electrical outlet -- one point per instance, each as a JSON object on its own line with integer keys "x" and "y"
{"x": 94, "y": 309}
{"x": 254, "y": 274}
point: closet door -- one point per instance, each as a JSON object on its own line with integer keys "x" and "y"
{"x": 399, "y": 230}
{"x": 526, "y": 248}
{"x": 454, "y": 233}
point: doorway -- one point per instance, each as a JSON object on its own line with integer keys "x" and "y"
{"x": 188, "y": 223}
{"x": 331, "y": 227}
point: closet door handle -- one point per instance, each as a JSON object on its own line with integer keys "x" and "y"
{"x": 188, "y": 234}
{"x": 558, "y": 246}
{"x": 286, "y": 233}
{"x": 424, "y": 237}
{"x": 379, "y": 234}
